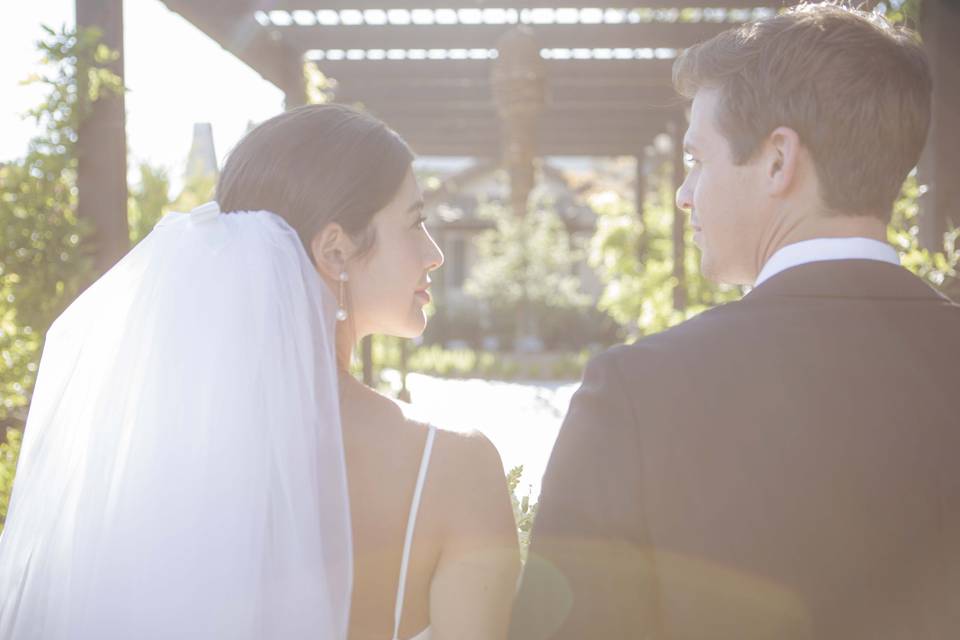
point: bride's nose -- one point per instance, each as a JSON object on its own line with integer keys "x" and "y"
{"x": 434, "y": 256}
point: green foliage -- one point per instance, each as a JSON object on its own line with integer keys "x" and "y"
{"x": 905, "y": 12}
{"x": 524, "y": 512}
{"x": 149, "y": 200}
{"x": 940, "y": 267}
{"x": 197, "y": 190}
{"x": 43, "y": 264}
{"x": 318, "y": 87}
{"x": 437, "y": 361}
{"x": 9, "y": 453}
{"x": 528, "y": 258}
{"x": 635, "y": 262}
{"x": 525, "y": 269}
{"x": 42, "y": 259}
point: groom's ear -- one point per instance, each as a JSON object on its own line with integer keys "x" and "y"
{"x": 329, "y": 249}
{"x": 781, "y": 159}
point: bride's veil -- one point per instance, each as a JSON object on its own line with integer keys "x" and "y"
{"x": 182, "y": 472}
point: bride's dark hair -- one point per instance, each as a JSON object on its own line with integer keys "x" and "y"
{"x": 314, "y": 165}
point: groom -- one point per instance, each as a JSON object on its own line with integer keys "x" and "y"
{"x": 786, "y": 466}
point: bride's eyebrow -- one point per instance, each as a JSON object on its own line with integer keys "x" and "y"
{"x": 416, "y": 206}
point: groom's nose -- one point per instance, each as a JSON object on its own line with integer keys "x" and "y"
{"x": 685, "y": 197}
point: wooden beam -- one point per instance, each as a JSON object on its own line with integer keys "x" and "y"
{"x": 587, "y": 114}
{"x": 491, "y": 149}
{"x": 677, "y": 128}
{"x": 231, "y": 24}
{"x": 486, "y": 142}
{"x": 102, "y": 147}
{"x": 940, "y": 205}
{"x": 640, "y": 203}
{"x": 552, "y": 137}
{"x": 417, "y": 72}
{"x": 485, "y": 36}
{"x": 441, "y": 96}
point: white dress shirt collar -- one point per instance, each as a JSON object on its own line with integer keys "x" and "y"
{"x": 820, "y": 249}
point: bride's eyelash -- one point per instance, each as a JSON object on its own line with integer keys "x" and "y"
{"x": 420, "y": 221}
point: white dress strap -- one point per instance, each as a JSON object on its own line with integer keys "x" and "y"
{"x": 411, "y": 524}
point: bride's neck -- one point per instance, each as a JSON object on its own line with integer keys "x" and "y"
{"x": 345, "y": 341}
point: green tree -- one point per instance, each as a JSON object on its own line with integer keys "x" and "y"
{"x": 638, "y": 285}
{"x": 9, "y": 452}
{"x": 148, "y": 202}
{"x": 939, "y": 267}
{"x": 524, "y": 512}
{"x": 43, "y": 262}
{"x": 635, "y": 262}
{"x": 525, "y": 269}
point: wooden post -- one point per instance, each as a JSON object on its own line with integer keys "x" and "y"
{"x": 640, "y": 201}
{"x": 294, "y": 87}
{"x": 677, "y": 128}
{"x": 940, "y": 205}
{"x": 102, "y": 147}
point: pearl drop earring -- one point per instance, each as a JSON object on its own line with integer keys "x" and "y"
{"x": 342, "y": 310}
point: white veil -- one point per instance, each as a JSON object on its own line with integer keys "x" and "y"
{"x": 182, "y": 472}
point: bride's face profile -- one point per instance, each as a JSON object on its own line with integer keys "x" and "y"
{"x": 344, "y": 182}
{"x": 388, "y": 282}
{"x": 389, "y": 286}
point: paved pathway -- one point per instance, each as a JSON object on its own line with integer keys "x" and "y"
{"x": 520, "y": 418}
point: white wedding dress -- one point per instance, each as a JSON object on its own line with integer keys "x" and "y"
{"x": 182, "y": 472}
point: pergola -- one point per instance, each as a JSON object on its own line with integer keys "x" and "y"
{"x": 427, "y": 68}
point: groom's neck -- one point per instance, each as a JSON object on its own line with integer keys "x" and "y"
{"x": 811, "y": 225}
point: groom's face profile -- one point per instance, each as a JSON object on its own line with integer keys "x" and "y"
{"x": 724, "y": 200}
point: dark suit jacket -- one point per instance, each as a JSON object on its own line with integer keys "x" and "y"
{"x": 786, "y": 466}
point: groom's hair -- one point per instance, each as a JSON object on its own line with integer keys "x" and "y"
{"x": 855, "y": 89}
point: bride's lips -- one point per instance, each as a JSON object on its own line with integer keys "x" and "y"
{"x": 423, "y": 295}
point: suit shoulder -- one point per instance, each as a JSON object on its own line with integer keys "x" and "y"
{"x": 686, "y": 336}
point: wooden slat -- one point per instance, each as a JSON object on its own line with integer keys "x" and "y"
{"x": 434, "y": 97}
{"x": 479, "y": 128}
{"x": 291, "y": 5}
{"x": 582, "y": 114}
{"x": 433, "y": 146}
{"x": 485, "y": 36}
{"x": 417, "y": 72}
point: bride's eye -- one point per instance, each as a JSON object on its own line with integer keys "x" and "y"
{"x": 421, "y": 221}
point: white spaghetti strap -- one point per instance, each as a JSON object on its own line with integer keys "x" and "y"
{"x": 411, "y": 523}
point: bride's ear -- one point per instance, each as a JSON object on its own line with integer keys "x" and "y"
{"x": 329, "y": 249}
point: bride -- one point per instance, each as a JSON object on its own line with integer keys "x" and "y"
{"x": 197, "y": 462}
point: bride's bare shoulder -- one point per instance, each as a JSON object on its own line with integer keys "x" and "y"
{"x": 463, "y": 459}
{"x": 469, "y": 454}
{"x": 468, "y": 451}
{"x": 466, "y": 475}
